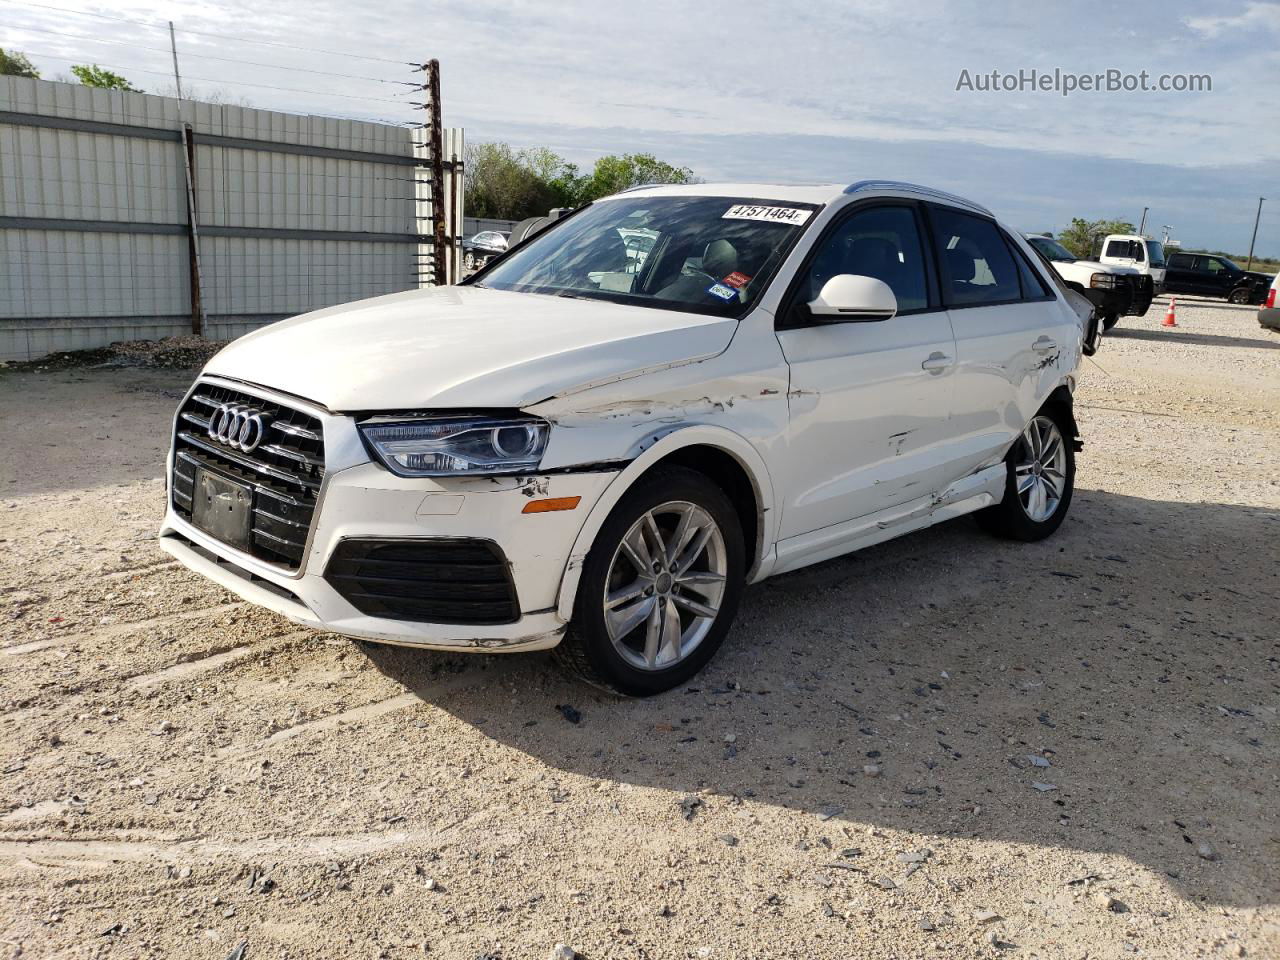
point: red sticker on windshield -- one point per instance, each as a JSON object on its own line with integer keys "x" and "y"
{"x": 737, "y": 279}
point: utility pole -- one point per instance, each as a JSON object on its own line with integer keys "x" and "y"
{"x": 173, "y": 47}
{"x": 435, "y": 139}
{"x": 1143, "y": 224}
{"x": 1256, "y": 218}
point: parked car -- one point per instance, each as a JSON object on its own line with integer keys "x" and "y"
{"x": 1114, "y": 291}
{"x": 567, "y": 452}
{"x": 1269, "y": 312}
{"x": 1140, "y": 253}
{"x": 1210, "y": 275}
{"x": 479, "y": 247}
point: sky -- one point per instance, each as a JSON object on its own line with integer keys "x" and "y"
{"x": 769, "y": 91}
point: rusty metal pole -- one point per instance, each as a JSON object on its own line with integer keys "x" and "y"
{"x": 435, "y": 140}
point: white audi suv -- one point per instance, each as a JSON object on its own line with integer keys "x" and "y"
{"x": 595, "y": 444}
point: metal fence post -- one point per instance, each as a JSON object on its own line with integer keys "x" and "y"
{"x": 193, "y": 233}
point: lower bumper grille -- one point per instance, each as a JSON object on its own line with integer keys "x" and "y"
{"x": 283, "y": 470}
{"x": 1143, "y": 291}
{"x": 429, "y": 581}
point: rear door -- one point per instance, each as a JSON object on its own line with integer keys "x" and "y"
{"x": 869, "y": 400}
{"x": 1198, "y": 279}
{"x": 1180, "y": 277}
{"x": 1010, "y": 332}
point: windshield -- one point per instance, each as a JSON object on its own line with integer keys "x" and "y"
{"x": 1155, "y": 253}
{"x": 710, "y": 255}
{"x": 1052, "y": 249}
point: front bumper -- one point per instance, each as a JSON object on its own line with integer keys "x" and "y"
{"x": 1269, "y": 317}
{"x": 1132, "y": 297}
{"x": 367, "y": 501}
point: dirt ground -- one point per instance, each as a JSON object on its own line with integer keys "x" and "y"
{"x": 1077, "y": 741}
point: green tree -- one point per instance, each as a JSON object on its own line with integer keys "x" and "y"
{"x": 512, "y": 184}
{"x": 509, "y": 184}
{"x": 16, "y": 64}
{"x": 614, "y": 173}
{"x": 96, "y": 76}
{"x": 1084, "y": 237}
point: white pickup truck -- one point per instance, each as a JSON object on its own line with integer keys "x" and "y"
{"x": 1114, "y": 291}
{"x": 1142, "y": 254}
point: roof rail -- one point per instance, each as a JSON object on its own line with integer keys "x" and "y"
{"x": 865, "y": 185}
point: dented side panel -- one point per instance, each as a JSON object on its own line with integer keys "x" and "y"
{"x": 1009, "y": 359}
{"x": 742, "y": 390}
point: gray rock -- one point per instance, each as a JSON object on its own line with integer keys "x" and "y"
{"x": 915, "y": 856}
{"x": 1044, "y": 787}
{"x": 829, "y": 811}
{"x": 871, "y": 769}
{"x": 987, "y": 916}
{"x": 563, "y": 952}
{"x": 689, "y": 805}
{"x": 1036, "y": 761}
{"x": 1206, "y": 851}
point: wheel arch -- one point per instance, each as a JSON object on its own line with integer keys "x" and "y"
{"x": 725, "y": 457}
{"x": 1061, "y": 399}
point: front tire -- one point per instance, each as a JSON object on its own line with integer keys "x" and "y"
{"x": 1041, "y": 477}
{"x": 660, "y": 586}
{"x": 1239, "y": 295}
{"x": 1110, "y": 320}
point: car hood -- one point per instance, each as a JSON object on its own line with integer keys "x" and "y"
{"x": 464, "y": 347}
{"x": 1104, "y": 267}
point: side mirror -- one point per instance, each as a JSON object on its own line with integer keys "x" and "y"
{"x": 848, "y": 297}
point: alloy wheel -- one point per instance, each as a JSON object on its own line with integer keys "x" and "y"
{"x": 1041, "y": 471}
{"x": 665, "y": 585}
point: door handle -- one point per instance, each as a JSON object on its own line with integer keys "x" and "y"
{"x": 936, "y": 362}
{"x": 1044, "y": 345}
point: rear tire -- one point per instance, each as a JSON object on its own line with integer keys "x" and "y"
{"x": 1040, "y": 478}
{"x": 1109, "y": 320}
{"x": 660, "y": 586}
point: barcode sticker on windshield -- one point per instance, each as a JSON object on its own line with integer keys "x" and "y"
{"x": 750, "y": 211}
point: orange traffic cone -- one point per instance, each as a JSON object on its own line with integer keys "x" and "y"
{"x": 1169, "y": 320}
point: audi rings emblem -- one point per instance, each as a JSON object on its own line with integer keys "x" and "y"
{"x": 237, "y": 426}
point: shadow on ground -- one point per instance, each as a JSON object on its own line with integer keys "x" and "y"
{"x": 1137, "y": 651}
{"x": 1198, "y": 339}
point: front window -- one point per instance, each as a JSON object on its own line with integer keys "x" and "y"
{"x": 1155, "y": 251}
{"x": 712, "y": 255}
{"x": 1052, "y": 249}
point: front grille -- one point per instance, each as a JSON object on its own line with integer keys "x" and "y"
{"x": 430, "y": 581}
{"x": 284, "y": 470}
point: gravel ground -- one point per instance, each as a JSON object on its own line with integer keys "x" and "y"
{"x": 942, "y": 746}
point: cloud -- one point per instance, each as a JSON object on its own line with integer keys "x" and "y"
{"x": 728, "y": 77}
{"x": 1254, "y": 16}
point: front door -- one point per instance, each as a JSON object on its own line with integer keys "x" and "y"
{"x": 869, "y": 400}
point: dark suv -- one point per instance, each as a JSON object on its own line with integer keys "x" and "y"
{"x": 1212, "y": 276}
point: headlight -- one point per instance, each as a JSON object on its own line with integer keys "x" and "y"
{"x": 1105, "y": 281}
{"x": 459, "y": 445}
